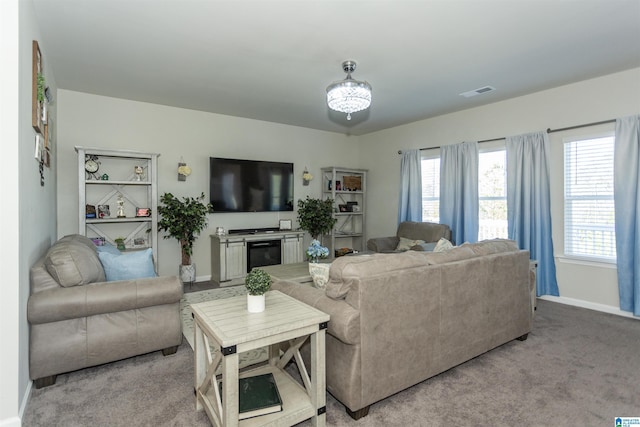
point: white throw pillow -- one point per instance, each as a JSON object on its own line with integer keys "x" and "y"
{"x": 443, "y": 245}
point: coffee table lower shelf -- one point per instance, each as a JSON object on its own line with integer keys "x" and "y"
{"x": 296, "y": 404}
{"x": 284, "y": 326}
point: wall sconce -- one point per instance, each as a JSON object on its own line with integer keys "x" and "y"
{"x": 183, "y": 170}
{"x": 306, "y": 177}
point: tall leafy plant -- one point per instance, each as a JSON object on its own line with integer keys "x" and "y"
{"x": 183, "y": 220}
{"x": 316, "y": 216}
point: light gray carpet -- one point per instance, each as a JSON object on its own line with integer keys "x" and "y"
{"x": 578, "y": 367}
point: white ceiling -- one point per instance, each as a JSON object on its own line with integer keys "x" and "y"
{"x": 272, "y": 60}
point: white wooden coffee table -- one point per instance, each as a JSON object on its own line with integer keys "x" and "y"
{"x": 226, "y": 323}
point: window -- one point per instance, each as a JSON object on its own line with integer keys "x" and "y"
{"x": 589, "y": 222}
{"x": 492, "y": 192}
{"x": 431, "y": 189}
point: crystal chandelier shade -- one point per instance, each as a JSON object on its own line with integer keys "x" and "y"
{"x": 349, "y": 95}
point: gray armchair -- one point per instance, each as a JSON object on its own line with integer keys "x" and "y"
{"x": 77, "y": 319}
{"x": 428, "y": 232}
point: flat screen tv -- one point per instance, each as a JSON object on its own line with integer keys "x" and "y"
{"x": 237, "y": 185}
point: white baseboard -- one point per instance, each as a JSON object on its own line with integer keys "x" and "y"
{"x": 590, "y": 305}
{"x": 203, "y": 278}
{"x": 25, "y": 399}
{"x": 17, "y": 421}
{"x": 10, "y": 422}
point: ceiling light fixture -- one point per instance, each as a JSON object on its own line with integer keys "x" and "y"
{"x": 349, "y": 95}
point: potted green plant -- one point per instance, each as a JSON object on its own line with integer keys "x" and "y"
{"x": 316, "y": 216}
{"x": 183, "y": 220}
{"x": 257, "y": 282}
{"x": 120, "y": 243}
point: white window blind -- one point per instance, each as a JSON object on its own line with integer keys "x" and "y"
{"x": 431, "y": 189}
{"x": 492, "y": 192}
{"x": 589, "y": 222}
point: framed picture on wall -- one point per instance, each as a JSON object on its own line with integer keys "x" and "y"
{"x": 285, "y": 224}
{"x": 37, "y": 89}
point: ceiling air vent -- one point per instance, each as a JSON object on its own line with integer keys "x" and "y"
{"x": 478, "y": 91}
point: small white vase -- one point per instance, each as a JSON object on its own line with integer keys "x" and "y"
{"x": 319, "y": 272}
{"x": 187, "y": 273}
{"x": 255, "y": 303}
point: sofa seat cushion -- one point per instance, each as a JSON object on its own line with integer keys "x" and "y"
{"x": 128, "y": 266}
{"x": 73, "y": 261}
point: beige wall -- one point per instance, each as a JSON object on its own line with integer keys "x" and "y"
{"x": 603, "y": 98}
{"x": 98, "y": 121}
{"x": 10, "y": 394}
{"x": 28, "y": 217}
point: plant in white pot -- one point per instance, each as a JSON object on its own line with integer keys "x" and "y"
{"x": 257, "y": 282}
{"x": 183, "y": 220}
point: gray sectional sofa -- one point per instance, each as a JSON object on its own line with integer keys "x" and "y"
{"x": 77, "y": 319}
{"x": 398, "y": 319}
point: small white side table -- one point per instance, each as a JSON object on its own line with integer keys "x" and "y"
{"x": 227, "y": 323}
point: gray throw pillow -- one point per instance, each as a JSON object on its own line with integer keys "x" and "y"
{"x": 405, "y": 244}
{"x": 71, "y": 264}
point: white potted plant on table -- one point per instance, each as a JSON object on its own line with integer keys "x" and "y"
{"x": 257, "y": 282}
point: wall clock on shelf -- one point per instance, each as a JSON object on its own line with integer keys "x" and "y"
{"x": 91, "y": 166}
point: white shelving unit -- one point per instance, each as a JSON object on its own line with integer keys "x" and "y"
{"x": 348, "y": 188}
{"x": 116, "y": 179}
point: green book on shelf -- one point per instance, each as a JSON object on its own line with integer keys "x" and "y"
{"x": 258, "y": 396}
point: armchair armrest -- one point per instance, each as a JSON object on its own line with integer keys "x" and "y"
{"x": 383, "y": 244}
{"x": 344, "y": 323}
{"x": 74, "y": 302}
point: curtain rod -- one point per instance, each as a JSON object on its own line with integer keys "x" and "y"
{"x": 549, "y": 130}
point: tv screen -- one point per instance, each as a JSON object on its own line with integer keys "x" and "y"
{"x": 237, "y": 185}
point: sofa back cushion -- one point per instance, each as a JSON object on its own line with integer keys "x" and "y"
{"x": 427, "y": 231}
{"x": 73, "y": 261}
{"x": 494, "y": 246}
{"x": 344, "y": 270}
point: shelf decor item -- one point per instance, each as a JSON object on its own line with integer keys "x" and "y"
{"x": 316, "y": 216}
{"x": 257, "y": 282}
{"x": 183, "y": 220}
{"x": 352, "y": 183}
{"x": 138, "y": 171}
{"x": 120, "y": 243}
{"x": 120, "y": 202}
